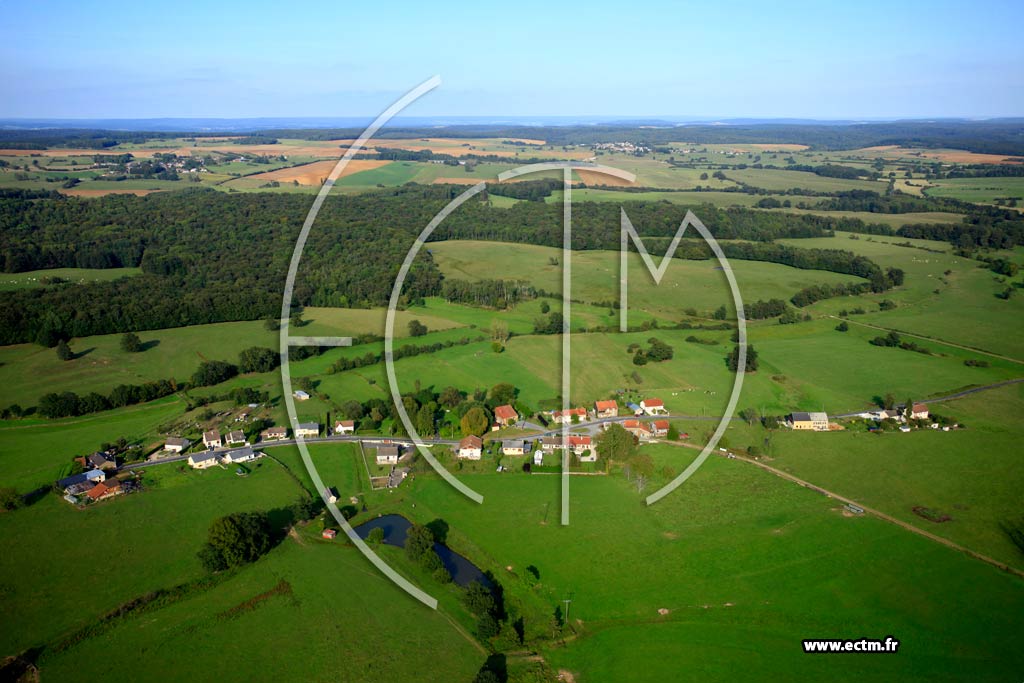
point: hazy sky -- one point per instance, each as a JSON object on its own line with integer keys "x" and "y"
{"x": 741, "y": 59}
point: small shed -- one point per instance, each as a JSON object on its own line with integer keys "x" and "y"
{"x": 329, "y": 534}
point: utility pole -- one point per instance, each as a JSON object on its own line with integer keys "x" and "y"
{"x": 567, "y": 601}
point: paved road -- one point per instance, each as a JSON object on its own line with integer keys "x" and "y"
{"x": 950, "y": 397}
{"x": 588, "y": 427}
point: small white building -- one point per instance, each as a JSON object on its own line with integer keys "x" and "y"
{"x": 301, "y": 395}
{"x": 387, "y": 455}
{"x": 471, "y": 448}
{"x": 653, "y": 406}
{"x": 211, "y": 439}
{"x": 514, "y": 447}
{"x": 345, "y": 427}
{"x": 308, "y": 430}
{"x": 240, "y": 455}
{"x": 200, "y": 461}
{"x": 538, "y": 457}
{"x": 236, "y": 437}
{"x": 176, "y": 444}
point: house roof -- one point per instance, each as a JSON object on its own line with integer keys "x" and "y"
{"x": 389, "y": 451}
{"x": 91, "y": 475}
{"x": 241, "y": 453}
{"x": 571, "y": 411}
{"x": 919, "y": 408}
{"x": 632, "y": 406}
{"x": 203, "y": 457}
{"x": 345, "y": 423}
{"x": 551, "y": 440}
{"x": 652, "y": 402}
{"x": 506, "y": 412}
{"x": 177, "y": 441}
{"x": 211, "y": 435}
{"x": 310, "y": 426}
{"x": 471, "y": 441}
{"x": 800, "y": 417}
{"x": 275, "y": 430}
{"x": 661, "y": 424}
{"x": 575, "y": 440}
{"x": 517, "y": 443}
{"x": 606, "y": 405}
{"x": 819, "y": 417}
{"x": 236, "y": 435}
{"x": 97, "y": 459}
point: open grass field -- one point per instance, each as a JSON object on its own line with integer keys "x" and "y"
{"x": 979, "y": 190}
{"x": 35, "y": 453}
{"x": 785, "y": 180}
{"x": 973, "y": 475}
{"x": 697, "y": 284}
{"x": 341, "y": 620}
{"x": 72, "y": 566}
{"x": 744, "y": 563}
{"x": 930, "y": 299}
{"x": 38, "y": 278}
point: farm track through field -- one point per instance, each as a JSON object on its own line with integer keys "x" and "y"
{"x": 931, "y": 339}
{"x": 881, "y": 515}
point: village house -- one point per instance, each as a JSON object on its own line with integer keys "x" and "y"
{"x": 817, "y": 422}
{"x": 105, "y": 489}
{"x": 200, "y": 461}
{"x": 471, "y": 448}
{"x": 102, "y": 461}
{"x": 606, "y": 409}
{"x": 506, "y": 415}
{"x": 660, "y": 428}
{"x": 919, "y": 411}
{"x": 236, "y": 437}
{"x": 636, "y": 410}
{"x": 301, "y": 395}
{"x": 538, "y": 457}
{"x": 387, "y": 455}
{"x": 82, "y": 482}
{"x": 176, "y": 444}
{"x": 517, "y": 447}
{"x": 549, "y": 444}
{"x": 308, "y": 430}
{"x": 211, "y": 439}
{"x": 580, "y": 445}
{"x": 638, "y": 429}
{"x": 560, "y": 417}
{"x": 345, "y": 427}
{"x": 653, "y": 406}
{"x": 274, "y": 434}
{"x": 240, "y": 455}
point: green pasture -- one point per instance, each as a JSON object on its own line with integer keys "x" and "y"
{"x": 35, "y": 278}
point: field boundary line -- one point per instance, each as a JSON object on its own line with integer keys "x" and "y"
{"x": 931, "y": 339}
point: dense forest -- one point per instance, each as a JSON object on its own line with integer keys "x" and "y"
{"x": 208, "y": 256}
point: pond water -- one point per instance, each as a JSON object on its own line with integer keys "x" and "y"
{"x": 395, "y": 527}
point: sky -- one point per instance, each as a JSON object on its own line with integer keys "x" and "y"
{"x": 822, "y": 60}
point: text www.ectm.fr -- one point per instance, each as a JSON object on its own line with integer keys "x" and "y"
{"x": 888, "y": 644}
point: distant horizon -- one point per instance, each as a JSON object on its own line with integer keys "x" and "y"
{"x": 199, "y": 124}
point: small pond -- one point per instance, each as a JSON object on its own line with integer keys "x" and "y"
{"x": 462, "y": 570}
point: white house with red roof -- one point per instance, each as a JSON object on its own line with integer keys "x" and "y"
{"x": 660, "y": 428}
{"x": 653, "y": 406}
{"x": 560, "y": 417}
{"x": 471, "y": 448}
{"x": 345, "y": 427}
